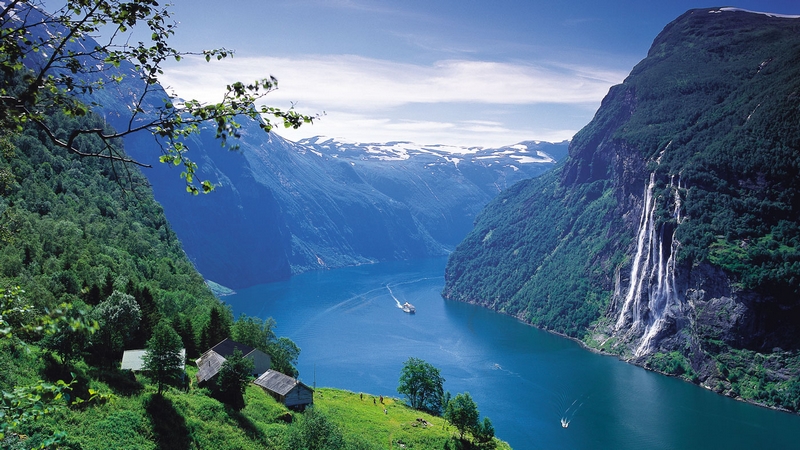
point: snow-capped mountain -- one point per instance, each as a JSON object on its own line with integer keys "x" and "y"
{"x": 284, "y": 208}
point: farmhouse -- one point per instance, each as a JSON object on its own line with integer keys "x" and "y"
{"x": 210, "y": 362}
{"x": 285, "y": 389}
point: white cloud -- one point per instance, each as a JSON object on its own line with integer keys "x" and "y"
{"x": 375, "y": 98}
{"x": 355, "y": 82}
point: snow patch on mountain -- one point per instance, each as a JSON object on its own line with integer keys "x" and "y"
{"x": 731, "y": 9}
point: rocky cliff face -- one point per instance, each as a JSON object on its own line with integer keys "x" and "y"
{"x": 669, "y": 235}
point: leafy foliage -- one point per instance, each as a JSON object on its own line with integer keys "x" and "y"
{"x": 260, "y": 334}
{"x": 217, "y": 328}
{"x": 119, "y": 317}
{"x": 233, "y": 377}
{"x": 535, "y": 253}
{"x": 63, "y": 69}
{"x": 422, "y": 384}
{"x": 314, "y": 431}
{"x": 29, "y": 402}
{"x": 70, "y": 237}
{"x": 70, "y": 232}
{"x": 462, "y": 412}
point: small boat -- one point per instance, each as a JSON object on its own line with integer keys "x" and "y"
{"x": 409, "y": 308}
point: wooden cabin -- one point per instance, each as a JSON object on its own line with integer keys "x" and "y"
{"x": 285, "y": 389}
{"x": 209, "y": 363}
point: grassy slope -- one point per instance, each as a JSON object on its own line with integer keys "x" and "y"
{"x": 187, "y": 420}
{"x": 398, "y": 425}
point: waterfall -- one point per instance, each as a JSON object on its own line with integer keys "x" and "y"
{"x": 642, "y": 244}
{"x": 651, "y": 295}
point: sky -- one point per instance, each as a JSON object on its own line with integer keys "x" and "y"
{"x": 457, "y": 72}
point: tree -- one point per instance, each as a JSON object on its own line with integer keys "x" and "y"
{"x": 163, "y": 361}
{"x": 284, "y": 353}
{"x": 70, "y": 342}
{"x": 151, "y": 315}
{"x": 422, "y": 385}
{"x": 50, "y": 62}
{"x": 485, "y": 434}
{"x": 260, "y": 334}
{"x": 183, "y": 326}
{"x": 217, "y": 329}
{"x": 462, "y": 413}
{"x": 233, "y": 378}
{"x": 254, "y": 332}
{"x": 119, "y": 317}
{"x": 314, "y": 431}
{"x": 21, "y": 323}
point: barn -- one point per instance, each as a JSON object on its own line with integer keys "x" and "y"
{"x": 285, "y": 389}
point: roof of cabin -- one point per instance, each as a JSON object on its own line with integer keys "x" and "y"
{"x": 208, "y": 365}
{"x": 133, "y": 359}
{"x": 277, "y": 382}
{"x": 227, "y": 346}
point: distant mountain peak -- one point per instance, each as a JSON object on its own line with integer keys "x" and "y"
{"x": 525, "y": 152}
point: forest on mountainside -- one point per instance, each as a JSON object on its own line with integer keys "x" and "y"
{"x": 89, "y": 267}
{"x": 712, "y": 116}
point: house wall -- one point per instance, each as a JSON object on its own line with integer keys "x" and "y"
{"x": 261, "y": 360}
{"x": 299, "y": 396}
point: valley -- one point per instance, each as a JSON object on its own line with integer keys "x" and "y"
{"x": 556, "y": 282}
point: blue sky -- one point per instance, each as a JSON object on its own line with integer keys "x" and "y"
{"x": 465, "y": 72}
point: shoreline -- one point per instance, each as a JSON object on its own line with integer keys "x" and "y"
{"x": 627, "y": 361}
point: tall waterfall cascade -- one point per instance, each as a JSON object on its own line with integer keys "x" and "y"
{"x": 651, "y": 298}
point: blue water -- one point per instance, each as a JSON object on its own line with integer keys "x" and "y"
{"x": 354, "y": 336}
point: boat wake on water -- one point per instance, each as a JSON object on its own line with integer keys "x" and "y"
{"x": 399, "y": 305}
{"x": 406, "y": 307}
{"x": 569, "y": 414}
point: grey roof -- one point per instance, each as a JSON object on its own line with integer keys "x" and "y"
{"x": 277, "y": 382}
{"x": 210, "y": 362}
{"x": 208, "y": 365}
{"x": 227, "y": 346}
{"x": 133, "y": 359}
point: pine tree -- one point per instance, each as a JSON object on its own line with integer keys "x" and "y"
{"x": 217, "y": 329}
{"x": 163, "y": 361}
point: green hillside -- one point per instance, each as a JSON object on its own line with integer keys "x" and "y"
{"x": 75, "y": 228}
{"x": 80, "y": 231}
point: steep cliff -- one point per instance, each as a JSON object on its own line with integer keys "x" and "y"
{"x": 670, "y": 234}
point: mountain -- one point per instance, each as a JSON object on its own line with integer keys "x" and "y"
{"x": 669, "y": 236}
{"x": 283, "y": 208}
